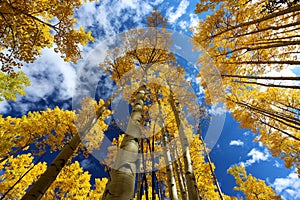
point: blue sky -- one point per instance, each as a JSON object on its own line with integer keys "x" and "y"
{"x": 54, "y": 82}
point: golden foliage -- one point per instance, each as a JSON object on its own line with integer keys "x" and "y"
{"x": 74, "y": 183}
{"x": 252, "y": 187}
{"x": 13, "y": 169}
{"x": 12, "y": 84}
{"x": 29, "y": 26}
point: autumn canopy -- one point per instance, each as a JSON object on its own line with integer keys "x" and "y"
{"x": 158, "y": 150}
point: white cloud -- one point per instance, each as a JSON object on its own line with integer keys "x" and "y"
{"x": 277, "y": 164}
{"x": 246, "y": 133}
{"x": 173, "y": 16}
{"x": 156, "y": 2}
{"x": 236, "y": 143}
{"x": 4, "y": 107}
{"x": 218, "y": 109}
{"x": 85, "y": 19}
{"x": 198, "y": 82}
{"x": 49, "y": 74}
{"x": 108, "y": 17}
{"x": 288, "y": 187}
{"x": 194, "y": 20}
{"x": 256, "y": 157}
{"x": 183, "y": 25}
{"x": 50, "y": 77}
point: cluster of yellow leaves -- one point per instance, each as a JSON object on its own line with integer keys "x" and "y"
{"x": 237, "y": 38}
{"x": 74, "y": 183}
{"x": 53, "y": 128}
{"x": 117, "y": 64}
{"x": 29, "y": 26}
{"x": 50, "y": 127}
{"x": 46, "y": 127}
{"x": 144, "y": 47}
{"x": 252, "y": 187}
{"x": 93, "y": 139}
{"x": 13, "y": 169}
{"x": 203, "y": 174}
{"x": 99, "y": 189}
{"x": 274, "y": 114}
{"x": 12, "y": 84}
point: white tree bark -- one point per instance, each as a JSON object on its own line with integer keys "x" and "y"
{"x": 122, "y": 178}
{"x": 193, "y": 192}
{"x": 179, "y": 175}
{"x": 170, "y": 172}
{"x": 168, "y": 159}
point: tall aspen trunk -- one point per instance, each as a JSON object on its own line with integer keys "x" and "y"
{"x": 181, "y": 168}
{"x": 193, "y": 192}
{"x": 145, "y": 182}
{"x": 178, "y": 172}
{"x": 152, "y": 165}
{"x": 120, "y": 185}
{"x": 38, "y": 189}
{"x": 170, "y": 172}
{"x": 168, "y": 160}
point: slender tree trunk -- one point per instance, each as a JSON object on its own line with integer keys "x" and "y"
{"x": 290, "y": 106}
{"x": 262, "y": 77}
{"x": 192, "y": 188}
{"x": 144, "y": 170}
{"x": 181, "y": 169}
{"x": 160, "y": 191}
{"x": 170, "y": 171}
{"x": 152, "y": 148}
{"x": 18, "y": 181}
{"x": 14, "y": 152}
{"x": 274, "y": 115}
{"x": 210, "y": 166}
{"x": 280, "y": 44}
{"x": 265, "y": 29}
{"x": 288, "y": 62}
{"x": 277, "y": 105}
{"x": 270, "y": 16}
{"x": 270, "y": 85}
{"x": 120, "y": 185}
{"x": 167, "y": 155}
{"x": 178, "y": 172}
{"x": 282, "y": 131}
{"x": 146, "y": 187}
{"x": 38, "y": 189}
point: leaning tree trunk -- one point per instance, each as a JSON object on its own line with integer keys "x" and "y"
{"x": 193, "y": 192}
{"x": 210, "y": 166}
{"x": 39, "y": 188}
{"x": 120, "y": 185}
